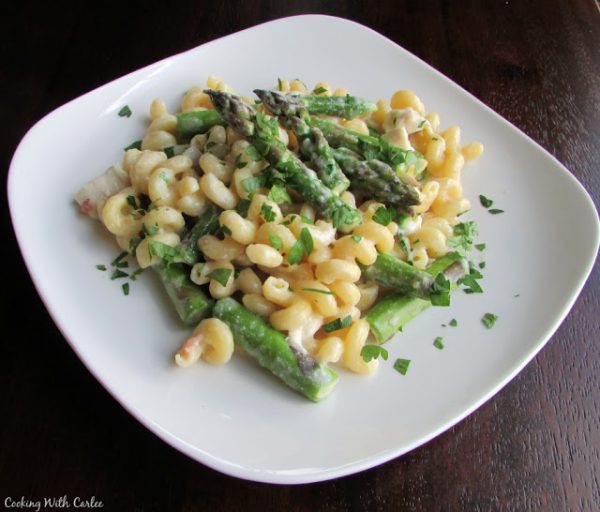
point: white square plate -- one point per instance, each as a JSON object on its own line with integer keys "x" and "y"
{"x": 237, "y": 418}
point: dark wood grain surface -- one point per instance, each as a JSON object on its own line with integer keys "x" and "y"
{"x": 535, "y": 446}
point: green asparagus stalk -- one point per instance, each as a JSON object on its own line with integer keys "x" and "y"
{"x": 293, "y": 104}
{"x": 314, "y": 147}
{"x": 403, "y": 278}
{"x": 263, "y": 133}
{"x": 392, "y": 313}
{"x": 195, "y": 122}
{"x": 377, "y": 180}
{"x": 273, "y": 351}
{"x": 370, "y": 147}
{"x": 187, "y": 251}
{"x": 207, "y": 224}
{"x": 190, "y": 301}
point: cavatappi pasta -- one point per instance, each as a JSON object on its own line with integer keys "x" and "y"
{"x": 288, "y": 261}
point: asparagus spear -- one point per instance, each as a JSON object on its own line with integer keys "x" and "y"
{"x": 314, "y": 147}
{"x": 391, "y": 272}
{"x": 292, "y": 104}
{"x": 272, "y": 351}
{"x": 191, "y": 303}
{"x": 368, "y": 146}
{"x": 263, "y": 133}
{"x": 392, "y": 313}
{"x": 195, "y": 122}
{"x": 377, "y": 180}
{"x": 187, "y": 251}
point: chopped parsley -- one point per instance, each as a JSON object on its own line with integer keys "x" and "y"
{"x": 318, "y": 290}
{"x": 441, "y": 287}
{"x": 489, "y": 319}
{"x": 495, "y": 211}
{"x": 102, "y": 268}
{"x": 485, "y": 201}
{"x": 251, "y": 185}
{"x": 357, "y": 238}
{"x": 122, "y": 264}
{"x": 118, "y": 258}
{"x": 480, "y": 247}
{"x": 288, "y": 221}
{"x": 307, "y": 220}
{"x": 118, "y": 274}
{"x": 370, "y": 352}
{"x": 238, "y": 162}
{"x": 125, "y": 288}
{"x": 338, "y": 323}
{"x": 319, "y": 90}
{"x": 382, "y": 216}
{"x": 267, "y": 213}
{"x": 226, "y": 231}
{"x": 304, "y": 245}
{"x": 221, "y": 275}
{"x": 242, "y": 207}
{"x": 401, "y": 365}
{"x": 342, "y": 216}
{"x": 453, "y": 323}
{"x": 132, "y": 202}
{"x": 136, "y": 273}
{"x": 278, "y": 194}
{"x": 275, "y": 241}
{"x": 150, "y": 230}
{"x": 136, "y": 144}
{"x": 125, "y": 111}
{"x": 462, "y": 241}
{"x": 482, "y": 265}
{"x": 253, "y": 153}
{"x": 439, "y": 343}
{"x": 470, "y": 284}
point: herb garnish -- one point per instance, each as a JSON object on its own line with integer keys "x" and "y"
{"x": 242, "y": 207}
{"x": 221, "y": 275}
{"x": 382, "y": 216}
{"x": 118, "y": 274}
{"x": 319, "y": 90}
{"x": 267, "y": 213}
{"x": 101, "y": 268}
{"x": 125, "y": 288}
{"x": 486, "y": 202}
{"x": 136, "y": 144}
{"x": 318, "y": 290}
{"x": 275, "y": 241}
{"x": 278, "y": 194}
{"x": 489, "y": 319}
{"x": 337, "y": 324}
{"x": 480, "y": 247}
{"x": 453, "y": 323}
{"x": 495, "y": 211}
{"x": 307, "y": 220}
{"x": 438, "y": 343}
{"x": 356, "y": 238}
{"x": 462, "y": 241}
{"x": 401, "y": 365}
{"x": 370, "y": 352}
{"x": 304, "y": 245}
{"x": 125, "y": 111}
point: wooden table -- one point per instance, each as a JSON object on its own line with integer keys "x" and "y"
{"x": 536, "y": 446}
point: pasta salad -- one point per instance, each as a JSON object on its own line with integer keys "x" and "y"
{"x": 306, "y": 227}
